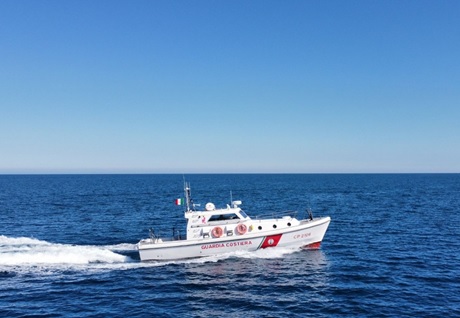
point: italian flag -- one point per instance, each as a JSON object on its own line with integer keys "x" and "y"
{"x": 179, "y": 201}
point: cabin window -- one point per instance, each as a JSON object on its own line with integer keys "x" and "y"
{"x": 243, "y": 214}
{"x": 223, "y": 217}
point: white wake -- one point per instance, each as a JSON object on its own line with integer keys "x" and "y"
{"x": 18, "y": 251}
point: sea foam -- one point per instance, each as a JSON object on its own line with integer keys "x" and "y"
{"x": 31, "y": 251}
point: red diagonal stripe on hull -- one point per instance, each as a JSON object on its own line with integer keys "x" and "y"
{"x": 271, "y": 241}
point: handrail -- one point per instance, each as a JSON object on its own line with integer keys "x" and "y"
{"x": 276, "y": 215}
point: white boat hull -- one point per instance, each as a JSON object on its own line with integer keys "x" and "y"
{"x": 307, "y": 234}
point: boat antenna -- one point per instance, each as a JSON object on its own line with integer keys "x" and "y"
{"x": 188, "y": 197}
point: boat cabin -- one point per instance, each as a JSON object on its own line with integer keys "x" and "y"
{"x": 214, "y": 222}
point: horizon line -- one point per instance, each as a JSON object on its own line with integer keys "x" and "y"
{"x": 208, "y": 173}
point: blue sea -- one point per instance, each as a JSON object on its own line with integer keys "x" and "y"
{"x": 67, "y": 247}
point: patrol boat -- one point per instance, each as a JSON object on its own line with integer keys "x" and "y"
{"x": 215, "y": 231}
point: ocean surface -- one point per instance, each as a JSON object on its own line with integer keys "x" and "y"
{"x": 67, "y": 247}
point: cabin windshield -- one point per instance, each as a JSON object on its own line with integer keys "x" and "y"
{"x": 243, "y": 214}
{"x": 223, "y": 217}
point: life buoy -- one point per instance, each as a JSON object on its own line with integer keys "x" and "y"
{"x": 241, "y": 229}
{"x": 217, "y": 232}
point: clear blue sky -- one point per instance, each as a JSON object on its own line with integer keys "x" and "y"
{"x": 229, "y": 86}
